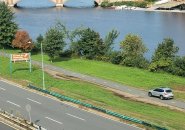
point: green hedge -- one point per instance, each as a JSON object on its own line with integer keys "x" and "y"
{"x": 141, "y": 4}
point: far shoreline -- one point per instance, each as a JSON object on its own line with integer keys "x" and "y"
{"x": 144, "y": 9}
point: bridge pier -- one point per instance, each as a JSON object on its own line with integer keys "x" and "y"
{"x": 10, "y": 3}
{"x": 59, "y": 3}
{"x": 98, "y": 2}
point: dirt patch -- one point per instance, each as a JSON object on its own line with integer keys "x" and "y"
{"x": 131, "y": 97}
{"x": 61, "y": 75}
{"x": 180, "y": 88}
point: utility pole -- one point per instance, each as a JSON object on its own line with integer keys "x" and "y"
{"x": 43, "y": 77}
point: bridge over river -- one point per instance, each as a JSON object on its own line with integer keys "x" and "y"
{"x": 57, "y": 2}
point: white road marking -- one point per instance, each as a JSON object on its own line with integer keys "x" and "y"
{"x": 105, "y": 82}
{"x": 2, "y": 89}
{"x": 13, "y": 103}
{"x": 28, "y": 90}
{"x": 33, "y": 101}
{"x": 172, "y": 102}
{"x": 54, "y": 120}
{"x": 75, "y": 117}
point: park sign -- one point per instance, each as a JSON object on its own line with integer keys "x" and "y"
{"x": 20, "y": 57}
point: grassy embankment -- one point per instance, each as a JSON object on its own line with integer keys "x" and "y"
{"x": 134, "y": 77}
{"x": 98, "y": 96}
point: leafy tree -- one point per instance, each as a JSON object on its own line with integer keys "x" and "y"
{"x": 133, "y": 50}
{"x": 89, "y": 44}
{"x": 37, "y": 44}
{"x": 164, "y": 55}
{"x": 54, "y": 41}
{"x": 8, "y": 27}
{"x": 178, "y": 66}
{"x": 115, "y": 57}
{"x": 23, "y": 41}
{"x": 109, "y": 41}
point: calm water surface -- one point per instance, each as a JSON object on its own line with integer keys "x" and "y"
{"x": 37, "y": 17}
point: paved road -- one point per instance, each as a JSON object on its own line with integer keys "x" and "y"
{"x": 5, "y": 127}
{"x": 114, "y": 85}
{"x": 52, "y": 114}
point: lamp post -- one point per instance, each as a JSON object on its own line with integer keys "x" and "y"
{"x": 43, "y": 78}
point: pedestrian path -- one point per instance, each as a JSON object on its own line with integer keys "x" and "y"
{"x": 111, "y": 84}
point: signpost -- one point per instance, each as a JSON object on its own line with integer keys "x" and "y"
{"x": 20, "y": 57}
{"x": 28, "y": 109}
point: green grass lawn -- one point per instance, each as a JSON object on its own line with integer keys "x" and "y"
{"x": 125, "y": 75}
{"x": 171, "y": 119}
{"x": 133, "y": 77}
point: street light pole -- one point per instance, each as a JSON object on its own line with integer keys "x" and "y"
{"x": 43, "y": 80}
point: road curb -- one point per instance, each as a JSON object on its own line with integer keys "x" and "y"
{"x": 114, "y": 114}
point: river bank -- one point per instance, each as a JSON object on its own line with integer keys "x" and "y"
{"x": 151, "y": 9}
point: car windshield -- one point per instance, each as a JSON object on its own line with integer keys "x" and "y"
{"x": 169, "y": 91}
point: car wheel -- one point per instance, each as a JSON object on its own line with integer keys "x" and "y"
{"x": 161, "y": 97}
{"x": 150, "y": 94}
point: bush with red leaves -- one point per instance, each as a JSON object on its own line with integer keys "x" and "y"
{"x": 23, "y": 41}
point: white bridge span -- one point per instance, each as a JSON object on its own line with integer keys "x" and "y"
{"x": 57, "y": 2}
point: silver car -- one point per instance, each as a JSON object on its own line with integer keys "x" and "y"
{"x": 162, "y": 93}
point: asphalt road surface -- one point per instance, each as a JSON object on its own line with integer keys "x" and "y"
{"x": 52, "y": 114}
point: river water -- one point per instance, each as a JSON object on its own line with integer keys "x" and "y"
{"x": 36, "y": 17}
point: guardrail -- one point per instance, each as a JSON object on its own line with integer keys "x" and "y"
{"x": 17, "y": 122}
{"x": 120, "y": 116}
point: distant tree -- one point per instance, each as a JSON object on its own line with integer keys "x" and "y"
{"x": 23, "y": 41}
{"x": 133, "y": 50}
{"x": 88, "y": 44}
{"x": 54, "y": 41}
{"x": 37, "y": 43}
{"x": 109, "y": 41}
{"x": 164, "y": 55}
{"x": 8, "y": 27}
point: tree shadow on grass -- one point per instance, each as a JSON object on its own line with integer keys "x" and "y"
{"x": 20, "y": 69}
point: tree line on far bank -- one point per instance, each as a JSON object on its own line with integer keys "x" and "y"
{"x": 87, "y": 43}
{"x": 141, "y": 4}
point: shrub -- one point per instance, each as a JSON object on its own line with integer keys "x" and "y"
{"x": 178, "y": 67}
{"x": 106, "y": 4}
{"x": 23, "y": 41}
{"x": 116, "y": 57}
